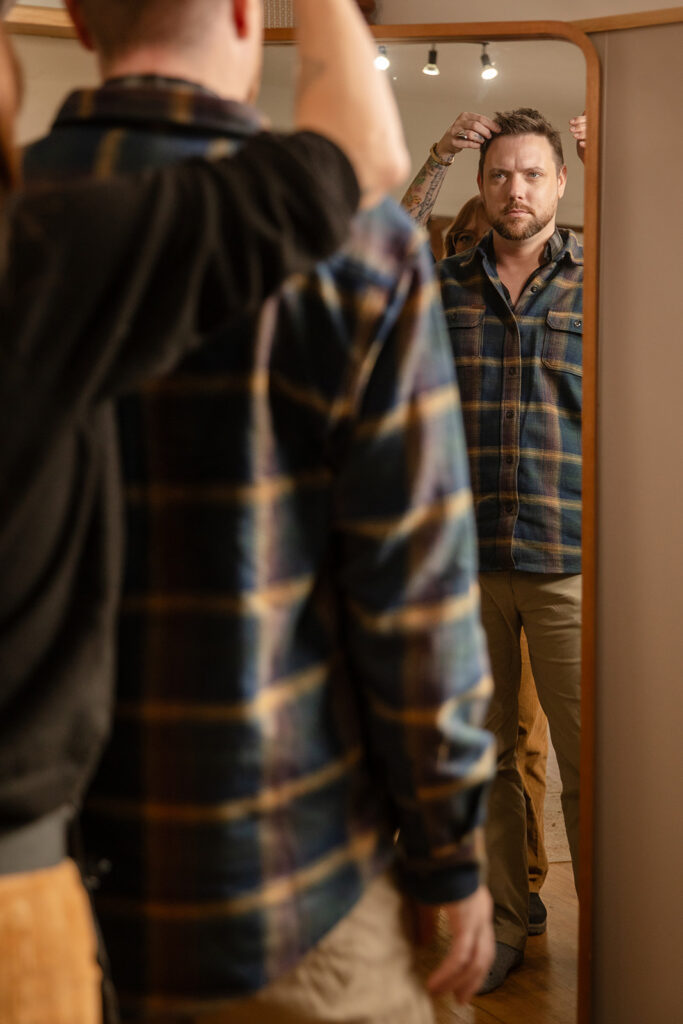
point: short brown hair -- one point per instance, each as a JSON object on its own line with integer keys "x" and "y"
{"x": 524, "y": 121}
{"x": 116, "y": 26}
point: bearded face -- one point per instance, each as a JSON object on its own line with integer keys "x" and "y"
{"x": 521, "y": 186}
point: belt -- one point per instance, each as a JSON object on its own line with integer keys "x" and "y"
{"x": 34, "y": 847}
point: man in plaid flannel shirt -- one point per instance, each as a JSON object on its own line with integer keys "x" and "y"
{"x": 302, "y": 671}
{"x": 514, "y": 309}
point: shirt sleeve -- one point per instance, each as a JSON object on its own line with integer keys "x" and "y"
{"x": 407, "y": 544}
{"x": 108, "y": 283}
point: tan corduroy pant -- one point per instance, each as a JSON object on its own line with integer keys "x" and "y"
{"x": 48, "y": 954}
{"x": 548, "y": 606}
{"x": 362, "y": 972}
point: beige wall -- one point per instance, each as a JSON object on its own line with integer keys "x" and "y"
{"x": 639, "y": 837}
{"x": 398, "y": 12}
{"x": 52, "y": 68}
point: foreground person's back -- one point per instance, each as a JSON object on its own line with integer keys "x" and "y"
{"x": 300, "y": 667}
{"x": 300, "y": 570}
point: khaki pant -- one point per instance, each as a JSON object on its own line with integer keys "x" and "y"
{"x": 48, "y": 954}
{"x": 362, "y": 972}
{"x": 532, "y": 759}
{"x": 548, "y": 607}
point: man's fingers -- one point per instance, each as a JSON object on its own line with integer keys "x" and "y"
{"x": 463, "y": 975}
{"x": 476, "y": 126}
{"x": 447, "y": 974}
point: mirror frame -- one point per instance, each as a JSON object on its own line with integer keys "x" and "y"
{"x": 474, "y": 32}
{"x": 509, "y": 31}
{"x": 47, "y": 21}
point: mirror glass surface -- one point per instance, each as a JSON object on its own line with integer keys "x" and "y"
{"x": 551, "y": 76}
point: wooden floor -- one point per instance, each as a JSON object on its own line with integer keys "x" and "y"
{"x": 543, "y": 990}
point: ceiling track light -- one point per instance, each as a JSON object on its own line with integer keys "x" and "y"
{"x": 382, "y": 62}
{"x": 431, "y": 67}
{"x": 488, "y": 68}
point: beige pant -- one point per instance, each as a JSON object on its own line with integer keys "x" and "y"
{"x": 48, "y": 954}
{"x": 362, "y": 972}
{"x": 532, "y": 759}
{"x": 548, "y": 606}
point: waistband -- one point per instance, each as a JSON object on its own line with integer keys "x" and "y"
{"x": 34, "y": 847}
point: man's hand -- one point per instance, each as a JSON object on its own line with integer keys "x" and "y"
{"x": 577, "y": 126}
{"x": 466, "y": 964}
{"x": 468, "y": 131}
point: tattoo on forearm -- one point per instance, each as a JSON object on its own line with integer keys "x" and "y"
{"x": 310, "y": 69}
{"x": 422, "y": 192}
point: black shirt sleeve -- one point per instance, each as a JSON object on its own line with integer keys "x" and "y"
{"x": 108, "y": 283}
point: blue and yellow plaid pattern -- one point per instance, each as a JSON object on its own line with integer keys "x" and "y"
{"x": 302, "y": 671}
{"x": 520, "y": 375}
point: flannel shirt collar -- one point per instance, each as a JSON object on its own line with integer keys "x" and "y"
{"x": 562, "y": 245}
{"x": 139, "y": 100}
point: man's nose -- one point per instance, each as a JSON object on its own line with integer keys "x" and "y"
{"x": 516, "y": 185}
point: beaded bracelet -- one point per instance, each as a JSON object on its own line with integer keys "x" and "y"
{"x": 439, "y": 159}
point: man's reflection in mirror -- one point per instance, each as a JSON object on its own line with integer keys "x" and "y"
{"x": 513, "y": 304}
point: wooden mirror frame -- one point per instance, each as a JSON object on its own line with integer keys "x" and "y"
{"x": 51, "y": 22}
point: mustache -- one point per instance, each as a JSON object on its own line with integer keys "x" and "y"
{"x": 516, "y": 207}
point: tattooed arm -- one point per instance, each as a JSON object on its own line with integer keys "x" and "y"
{"x": 468, "y": 131}
{"x": 341, "y": 95}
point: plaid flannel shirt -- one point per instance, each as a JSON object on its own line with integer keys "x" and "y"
{"x": 520, "y": 375}
{"x": 302, "y": 669}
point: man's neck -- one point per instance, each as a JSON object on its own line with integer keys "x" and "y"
{"x": 170, "y": 64}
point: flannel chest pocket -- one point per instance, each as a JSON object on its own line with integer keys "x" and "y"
{"x": 466, "y": 329}
{"x": 563, "y": 342}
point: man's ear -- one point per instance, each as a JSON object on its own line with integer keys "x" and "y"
{"x": 84, "y": 36}
{"x": 561, "y": 181}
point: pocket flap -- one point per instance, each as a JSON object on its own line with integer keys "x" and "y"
{"x": 561, "y": 321}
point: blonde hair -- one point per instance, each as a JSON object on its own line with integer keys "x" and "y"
{"x": 473, "y": 208}
{"x": 9, "y": 160}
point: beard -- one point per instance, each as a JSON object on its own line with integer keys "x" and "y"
{"x": 518, "y": 231}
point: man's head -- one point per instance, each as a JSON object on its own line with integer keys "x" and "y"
{"x": 215, "y": 42}
{"x": 522, "y": 175}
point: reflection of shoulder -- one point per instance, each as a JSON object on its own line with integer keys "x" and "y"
{"x": 461, "y": 271}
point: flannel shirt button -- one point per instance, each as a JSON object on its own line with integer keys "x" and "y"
{"x": 509, "y": 414}
{"x": 535, "y": 288}
{"x": 577, "y": 323}
{"x": 509, "y": 459}
{"x": 509, "y": 509}
{"x": 512, "y": 371}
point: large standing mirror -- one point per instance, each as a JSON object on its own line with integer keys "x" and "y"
{"x": 553, "y": 67}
